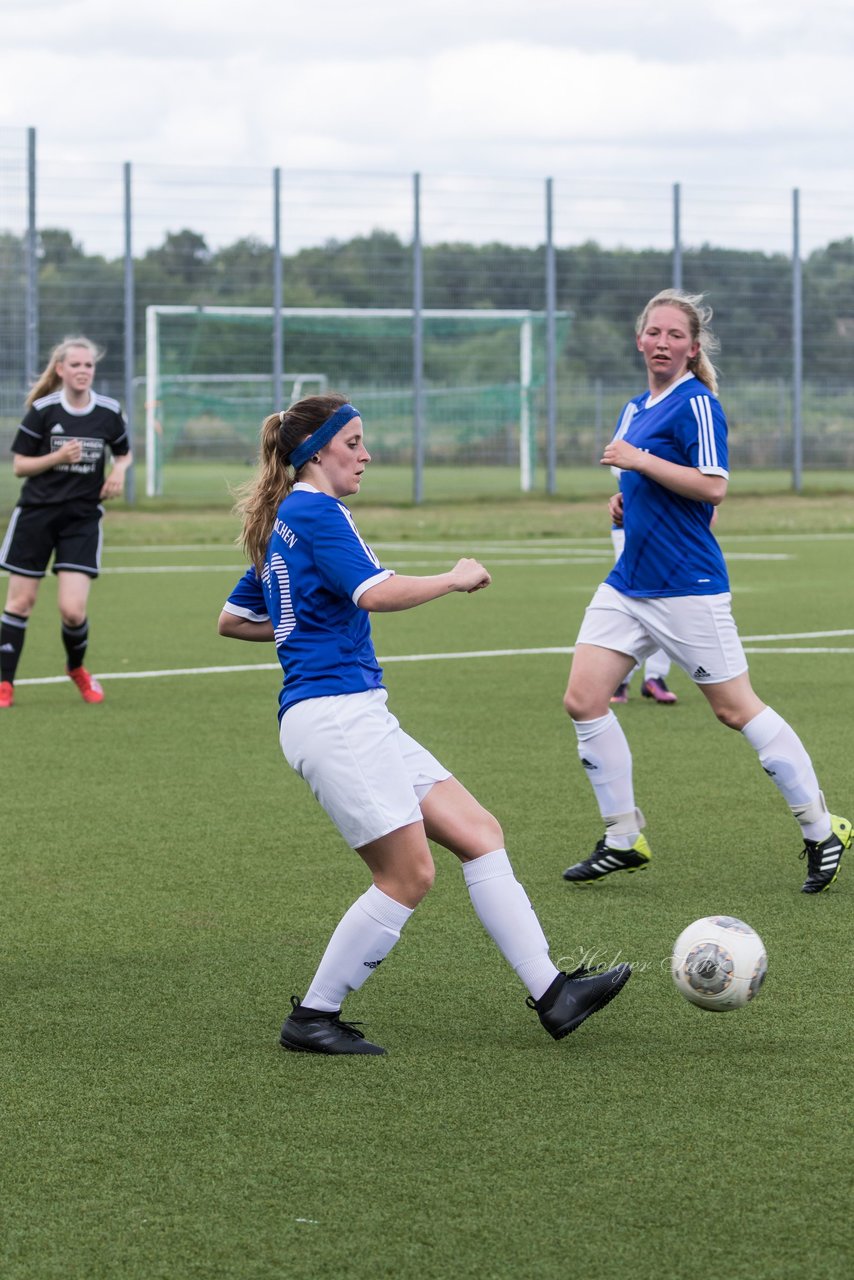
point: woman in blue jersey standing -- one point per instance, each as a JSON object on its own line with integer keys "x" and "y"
{"x": 670, "y": 590}
{"x": 312, "y": 583}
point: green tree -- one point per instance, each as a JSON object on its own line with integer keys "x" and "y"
{"x": 184, "y": 256}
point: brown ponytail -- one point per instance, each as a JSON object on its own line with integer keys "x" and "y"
{"x": 258, "y": 500}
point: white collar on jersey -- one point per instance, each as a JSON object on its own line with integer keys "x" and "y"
{"x": 77, "y": 413}
{"x": 304, "y": 486}
{"x": 651, "y": 400}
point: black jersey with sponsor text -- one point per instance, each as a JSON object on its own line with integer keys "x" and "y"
{"x": 48, "y": 423}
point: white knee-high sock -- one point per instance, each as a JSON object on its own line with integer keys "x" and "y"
{"x": 505, "y": 911}
{"x": 657, "y": 666}
{"x": 607, "y": 760}
{"x": 363, "y": 938}
{"x": 784, "y": 758}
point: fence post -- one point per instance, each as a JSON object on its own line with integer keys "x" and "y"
{"x": 278, "y": 350}
{"x": 153, "y": 470}
{"x": 677, "y": 235}
{"x": 597, "y": 420}
{"x": 31, "y": 335}
{"x": 526, "y": 364}
{"x": 130, "y": 331}
{"x": 417, "y": 346}
{"x": 551, "y": 345}
{"x": 797, "y": 347}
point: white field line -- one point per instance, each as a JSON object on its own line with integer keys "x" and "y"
{"x": 546, "y": 556}
{"x": 805, "y": 649}
{"x": 403, "y": 563}
{"x": 801, "y": 635}
{"x": 565, "y": 650}
{"x": 507, "y": 545}
{"x": 176, "y": 568}
{"x": 562, "y": 546}
{"x": 557, "y": 558}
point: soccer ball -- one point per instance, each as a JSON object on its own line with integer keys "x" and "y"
{"x": 719, "y": 963}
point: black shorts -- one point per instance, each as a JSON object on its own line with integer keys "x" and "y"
{"x": 71, "y": 532}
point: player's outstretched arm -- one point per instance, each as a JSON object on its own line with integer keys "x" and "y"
{"x": 405, "y": 592}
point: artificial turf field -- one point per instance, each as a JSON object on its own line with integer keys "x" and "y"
{"x": 167, "y": 884}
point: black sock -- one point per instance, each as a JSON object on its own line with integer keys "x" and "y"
{"x": 548, "y": 997}
{"x": 75, "y": 640}
{"x": 302, "y": 1014}
{"x": 13, "y": 632}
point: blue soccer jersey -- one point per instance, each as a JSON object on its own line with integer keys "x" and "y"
{"x": 315, "y": 570}
{"x": 670, "y": 549}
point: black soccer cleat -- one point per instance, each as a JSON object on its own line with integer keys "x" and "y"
{"x": 824, "y": 856}
{"x": 604, "y": 860}
{"x": 572, "y": 997}
{"x": 308, "y": 1031}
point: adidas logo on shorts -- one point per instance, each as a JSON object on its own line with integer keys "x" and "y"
{"x": 700, "y": 674}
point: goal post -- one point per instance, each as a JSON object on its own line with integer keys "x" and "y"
{"x": 209, "y": 379}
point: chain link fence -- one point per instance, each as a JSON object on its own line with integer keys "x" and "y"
{"x": 481, "y": 323}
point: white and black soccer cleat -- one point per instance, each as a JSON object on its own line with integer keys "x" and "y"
{"x": 824, "y": 856}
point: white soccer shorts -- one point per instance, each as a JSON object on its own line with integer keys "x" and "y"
{"x": 697, "y": 632}
{"x": 365, "y": 771}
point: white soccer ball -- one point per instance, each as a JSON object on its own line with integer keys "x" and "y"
{"x": 719, "y": 963}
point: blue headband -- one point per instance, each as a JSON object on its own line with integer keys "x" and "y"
{"x": 324, "y": 433}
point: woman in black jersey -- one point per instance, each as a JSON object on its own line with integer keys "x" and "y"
{"x": 60, "y": 452}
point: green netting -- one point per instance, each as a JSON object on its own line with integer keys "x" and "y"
{"x": 483, "y": 376}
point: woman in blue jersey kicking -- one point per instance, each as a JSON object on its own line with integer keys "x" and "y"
{"x": 312, "y": 583}
{"x": 669, "y": 590}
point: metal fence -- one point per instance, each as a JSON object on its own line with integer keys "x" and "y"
{"x": 94, "y": 250}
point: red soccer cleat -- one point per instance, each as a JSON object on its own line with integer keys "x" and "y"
{"x": 7, "y": 693}
{"x": 89, "y": 688}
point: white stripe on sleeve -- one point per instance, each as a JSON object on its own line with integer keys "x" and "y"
{"x": 708, "y": 454}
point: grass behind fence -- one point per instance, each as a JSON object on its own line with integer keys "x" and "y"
{"x": 195, "y": 485}
{"x": 168, "y": 883}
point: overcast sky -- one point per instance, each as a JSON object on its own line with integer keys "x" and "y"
{"x": 738, "y": 93}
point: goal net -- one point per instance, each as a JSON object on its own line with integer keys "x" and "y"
{"x": 209, "y": 381}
